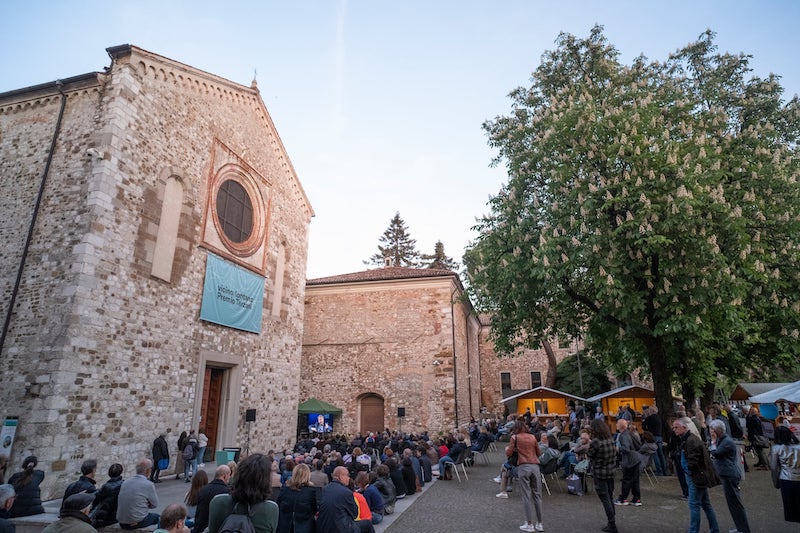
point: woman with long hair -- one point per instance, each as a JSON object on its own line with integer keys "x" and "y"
{"x": 603, "y": 457}
{"x": 297, "y": 502}
{"x": 26, "y": 484}
{"x": 199, "y": 481}
{"x": 249, "y": 495}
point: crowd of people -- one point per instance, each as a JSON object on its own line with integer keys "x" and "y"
{"x": 704, "y": 450}
{"x": 336, "y": 484}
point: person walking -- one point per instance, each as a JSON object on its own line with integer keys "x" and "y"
{"x": 628, "y": 443}
{"x": 724, "y": 452}
{"x": 603, "y": 456}
{"x": 160, "y": 457}
{"x": 700, "y": 475}
{"x": 530, "y": 477}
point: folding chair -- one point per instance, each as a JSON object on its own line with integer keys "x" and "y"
{"x": 550, "y": 469}
{"x": 482, "y": 453}
{"x": 492, "y": 446}
{"x": 649, "y": 470}
{"x": 459, "y": 461}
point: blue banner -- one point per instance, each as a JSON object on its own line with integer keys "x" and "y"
{"x": 232, "y": 296}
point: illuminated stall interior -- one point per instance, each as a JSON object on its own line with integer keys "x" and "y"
{"x": 545, "y": 402}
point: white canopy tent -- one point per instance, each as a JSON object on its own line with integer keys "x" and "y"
{"x": 787, "y": 393}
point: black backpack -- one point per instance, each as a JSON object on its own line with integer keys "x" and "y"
{"x": 237, "y": 523}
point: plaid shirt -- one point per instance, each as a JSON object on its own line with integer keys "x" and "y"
{"x": 603, "y": 455}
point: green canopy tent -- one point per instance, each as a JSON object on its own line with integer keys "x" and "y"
{"x": 313, "y": 405}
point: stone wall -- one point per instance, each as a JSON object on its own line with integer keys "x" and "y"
{"x": 393, "y": 338}
{"x": 100, "y": 355}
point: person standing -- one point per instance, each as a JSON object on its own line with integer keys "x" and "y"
{"x": 785, "y": 466}
{"x": 160, "y": 457}
{"x": 179, "y": 462}
{"x": 652, "y": 423}
{"x": 189, "y": 455}
{"x": 755, "y": 434}
{"x": 202, "y": 444}
{"x": 530, "y": 477}
{"x": 628, "y": 443}
{"x": 136, "y": 497}
{"x": 700, "y": 475}
{"x": 724, "y": 452}
{"x": 603, "y": 456}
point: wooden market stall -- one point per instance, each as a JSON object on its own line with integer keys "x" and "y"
{"x": 545, "y": 402}
{"x": 633, "y": 395}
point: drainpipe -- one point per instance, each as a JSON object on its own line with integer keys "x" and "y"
{"x": 469, "y": 367}
{"x": 36, "y": 206}
{"x": 455, "y": 366}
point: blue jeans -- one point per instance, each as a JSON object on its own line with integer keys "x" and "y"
{"x": 442, "y": 461}
{"x": 201, "y": 454}
{"x": 189, "y": 468}
{"x": 568, "y": 459}
{"x": 698, "y": 499}
{"x": 150, "y": 520}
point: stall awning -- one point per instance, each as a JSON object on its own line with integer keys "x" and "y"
{"x": 787, "y": 393}
{"x": 313, "y": 405}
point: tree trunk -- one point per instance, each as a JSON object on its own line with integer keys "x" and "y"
{"x": 552, "y": 365}
{"x": 708, "y": 395}
{"x": 687, "y": 391}
{"x": 662, "y": 387}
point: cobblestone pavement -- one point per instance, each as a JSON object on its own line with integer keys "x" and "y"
{"x": 471, "y": 506}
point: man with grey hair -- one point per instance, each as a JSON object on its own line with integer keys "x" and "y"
{"x": 628, "y": 444}
{"x": 700, "y": 475}
{"x": 7, "y": 495}
{"x": 725, "y": 453}
{"x": 136, "y": 497}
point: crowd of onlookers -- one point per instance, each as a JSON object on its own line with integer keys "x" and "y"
{"x": 702, "y": 449}
{"x": 334, "y": 484}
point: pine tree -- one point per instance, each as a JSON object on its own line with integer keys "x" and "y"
{"x": 439, "y": 259}
{"x": 397, "y": 245}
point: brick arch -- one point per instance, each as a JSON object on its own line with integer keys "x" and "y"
{"x": 371, "y": 409}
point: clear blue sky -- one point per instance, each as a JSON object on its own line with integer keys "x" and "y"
{"x": 380, "y": 104}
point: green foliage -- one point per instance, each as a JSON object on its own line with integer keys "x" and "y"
{"x": 651, "y": 207}
{"x": 594, "y": 377}
{"x": 439, "y": 259}
{"x": 397, "y": 245}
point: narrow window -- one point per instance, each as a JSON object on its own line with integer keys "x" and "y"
{"x": 505, "y": 380}
{"x": 536, "y": 379}
{"x": 167, "y": 237}
{"x": 280, "y": 270}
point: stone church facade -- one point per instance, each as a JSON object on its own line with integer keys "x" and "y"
{"x": 117, "y": 188}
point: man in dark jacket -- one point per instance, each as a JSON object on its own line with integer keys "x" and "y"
{"x": 725, "y": 453}
{"x": 218, "y": 486}
{"x": 338, "y": 509}
{"x": 86, "y": 482}
{"x": 160, "y": 453}
{"x": 104, "y": 508}
{"x": 700, "y": 475}
{"x": 755, "y": 433}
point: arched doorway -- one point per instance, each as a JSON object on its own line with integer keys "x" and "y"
{"x": 371, "y": 413}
